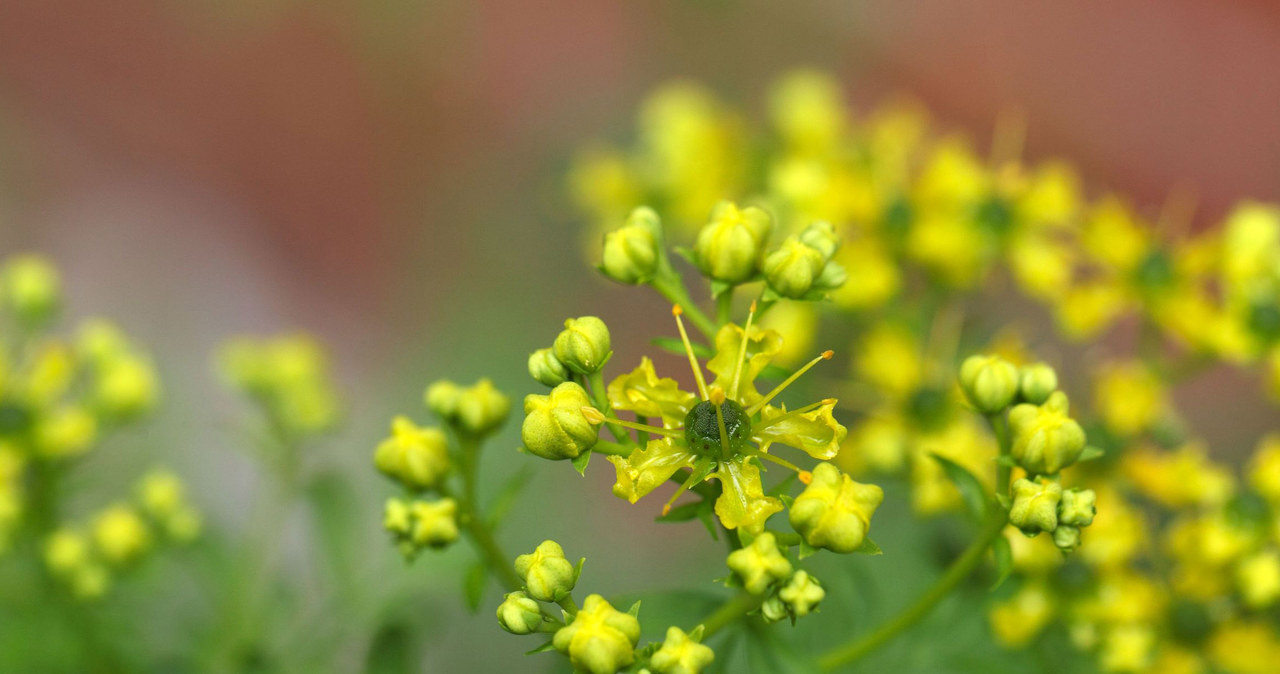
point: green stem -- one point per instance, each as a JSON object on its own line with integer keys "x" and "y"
{"x": 600, "y": 395}
{"x": 612, "y": 448}
{"x": 1000, "y": 426}
{"x": 569, "y": 605}
{"x": 729, "y": 612}
{"x": 671, "y": 287}
{"x": 724, "y": 307}
{"x": 477, "y": 529}
{"x": 922, "y": 606}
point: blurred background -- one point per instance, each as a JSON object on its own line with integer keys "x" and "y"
{"x": 389, "y": 176}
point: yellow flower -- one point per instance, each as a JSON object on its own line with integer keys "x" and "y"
{"x": 643, "y": 392}
{"x": 1129, "y": 397}
{"x": 65, "y": 432}
{"x": 890, "y": 359}
{"x": 1264, "y": 468}
{"x": 808, "y": 110}
{"x": 1180, "y": 478}
{"x": 874, "y": 277}
{"x": 1018, "y": 619}
{"x": 1118, "y": 531}
{"x": 1242, "y": 647}
{"x": 1089, "y": 308}
{"x": 65, "y": 551}
{"x": 1113, "y": 235}
{"x": 601, "y": 639}
{"x": 1258, "y": 577}
{"x": 1128, "y": 648}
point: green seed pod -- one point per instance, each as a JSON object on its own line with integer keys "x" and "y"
{"x": 729, "y": 246}
{"x": 583, "y": 346}
{"x": 989, "y": 382}
{"x": 1036, "y": 382}
{"x": 774, "y": 610}
{"x": 546, "y": 369}
{"x": 547, "y": 575}
{"x": 482, "y": 408}
{"x": 631, "y": 252}
{"x": 760, "y": 564}
{"x": 1035, "y": 505}
{"x": 554, "y": 425}
{"x": 518, "y": 614}
{"x": 802, "y": 594}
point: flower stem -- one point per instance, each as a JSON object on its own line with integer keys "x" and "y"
{"x": 1000, "y": 426}
{"x": 601, "y": 397}
{"x": 474, "y": 524}
{"x": 671, "y": 287}
{"x": 729, "y": 612}
{"x": 922, "y": 606}
{"x": 724, "y": 306}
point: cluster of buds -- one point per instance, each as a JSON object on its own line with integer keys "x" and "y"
{"x": 597, "y": 638}
{"x": 421, "y": 460}
{"x": 762, "y": 568}
{"x": 555, "y": 426}
{"x": 58, "y": 397}
{"x": 288, "y": 378}
{"x": 117, "y": 538}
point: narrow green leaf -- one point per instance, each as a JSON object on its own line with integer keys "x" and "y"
{"x": 869, "y": 547}
{"x": 544, "y": 648}
{"x": 683, "y": 513}
{"x": 1090, "y": 453}
{"x": 719, "y": 288}
{"x": 580, "y": 462}
{"x": 474, "y": 585}
{"x": 507, "y": 496}
{"x": 806, "y": 550}
{"x": 971, "y": 490}
{"x": 634, "y": 611}
{"x": 1004, "y": 560}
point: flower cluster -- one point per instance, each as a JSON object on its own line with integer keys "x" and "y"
{"x": 60, "y": 397}
{"x": 287, "y": 377}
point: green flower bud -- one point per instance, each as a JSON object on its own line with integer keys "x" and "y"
{"x": 583, "y": 346}
{"x": 760, "y": 564}
{"x": 1077, "y": 508}
{"x": 821, "y": 236}
{"x": 546, "y": 369}
{"x": 631, "y": 252}
{"x": 681, "y": 654}
{"x": 792, "y": 269}
{"x": 30, "y": 287}
{"x": 416, "y": 457}
{"x": 555, "y": 427}
{"x": 1045, "y": 439}
{"x": 1067, "y": 538}
{"x": 518, "y": 614}
{"x": 774, "y": 610}
{"x": 547, "y": 575}
{"x": 397, "y": 517}
{"x": 1036, "y": 382}
{"x": 802, "y": 594}
{"x": 435, "y": 523}
{"x": 1035, "y": 505}
{"x": 728, "y": 248}
{"x": 834, "y": 512}
{"x": 601, "y": 639}
{"x": 442, "y": 399}
{"x": 482, "y": 408}
{"x": 989, "y": 382}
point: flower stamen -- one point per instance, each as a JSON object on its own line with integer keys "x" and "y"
{"x": 688, "y": 349}
{"x": 805, "y": 476}
{"x": 742, "y": 350}
{"x": 596, "y": 417}
{"x": 825, "y": 355}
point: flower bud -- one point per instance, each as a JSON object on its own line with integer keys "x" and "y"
{"x": 760, "y": 564}
{"x": 554, "y": 426}
{"x": 792, "y": 269}
{"x": 120, "y": 535}
{"x": 728, "y": 247}
{"x": 1036, "y": 382}
{"x": 435, "y": 523}
{"x": 773, "y": 610}
{"x": 547, "y": 575}
{"x": 482, "y": 408}
{"x": 1066, "y": 537}
{"x": 802, "y": 594}
{"x": 442, "y": 399}
{"x": 124, "y": 387}
{"x": 834, "y": 512}
{"x": 1077, "y": 507}
{"x": 821, "y": 236}
{"x": 989, "y": 382}
{"x": 1045, "y": 439}
{"x": 416, "y": 457}
{"x": 601, "y": 639}
{"x": 518, "y": 614}
{"x": 583, "y": 346}
{"x": 66, "y": 431}
{"x": 681, "y": 654}
{"x": 544, "y": 367}
{"x": 631, "y": 251}
{"x": 30, "y": 287}
{"x": 1258, "y": 578}
{"x": 1035, "y": 505}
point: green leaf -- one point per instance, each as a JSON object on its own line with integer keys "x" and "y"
{"x": 971, "y": 490}
{"x": 683, "y": 513}
{"x": 1004, "y": 560}
{"x": 580, "y": 462}
{"x": 474, "y": 585}
{"x": 544, "y": 648}
{"x": 719, "y": 288}
{"x": 869, "y": 547}
{"x": 507, "y": 496}
{"x": 634, "y": 611}
{"x": 1006, "y": 460}
{"x": 1090, "y": 453}
{"x": 333, "y": 513}
{"x": 807, "y": 550}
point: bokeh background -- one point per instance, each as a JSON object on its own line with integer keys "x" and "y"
{"x": 389, "y": 176}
